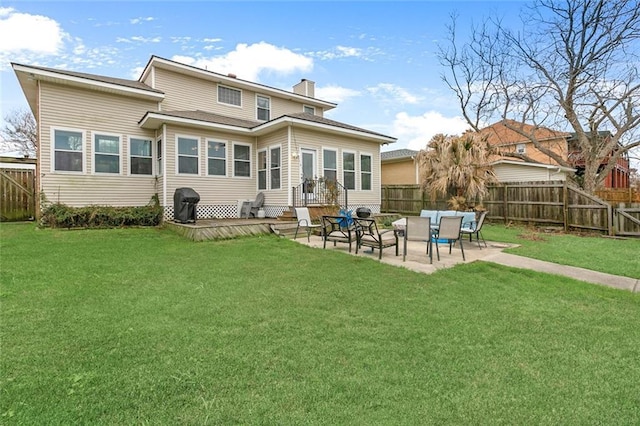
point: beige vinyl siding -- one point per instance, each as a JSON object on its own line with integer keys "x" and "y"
{"x": 400, "y": 173}
{"x": 517, "y": 173}
{"x": 279, "y": 138}
{"x": 183, "y": 92}
{"x": 317, "y": 141}
{"x": 212, "y": 189}
{"x": 92, "y": 112}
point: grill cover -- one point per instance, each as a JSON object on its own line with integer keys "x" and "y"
{"x": 185, "y": 201}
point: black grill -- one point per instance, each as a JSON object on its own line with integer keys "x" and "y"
{"x": 185, "y": 201}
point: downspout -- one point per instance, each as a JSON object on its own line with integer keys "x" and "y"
{"x": 289, "y": 174}
{"x": 38, "y": 182}
{"x": 164, "y": 165}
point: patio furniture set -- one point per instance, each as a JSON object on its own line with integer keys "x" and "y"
{"x": 431, "y": 227}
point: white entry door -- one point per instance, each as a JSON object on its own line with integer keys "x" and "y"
{"x": 308, "y": 166}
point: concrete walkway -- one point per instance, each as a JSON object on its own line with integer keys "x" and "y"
{"x": 418, "y": 261}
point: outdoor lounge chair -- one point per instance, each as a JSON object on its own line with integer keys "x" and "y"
{"x": 336, "y": 229}
{"x": 449, "y": 231}
{"x": 251, "y": 209}
{"x": 418, "y": 229}
{"x": 368, "y": 235}
{"x": 304, "y": 220}
{"x": 475, "y": 228}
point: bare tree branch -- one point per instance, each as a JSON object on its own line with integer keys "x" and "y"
{"x": 20, "y": 133}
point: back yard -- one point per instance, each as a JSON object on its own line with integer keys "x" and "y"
{"x": 141, "y": 326}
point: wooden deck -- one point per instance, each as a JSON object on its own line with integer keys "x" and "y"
{"x": 219, "y": 229}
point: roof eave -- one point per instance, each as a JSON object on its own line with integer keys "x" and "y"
{"x": 155, "y": 120}
{"x": 27, "y": 73}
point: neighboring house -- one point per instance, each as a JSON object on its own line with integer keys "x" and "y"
{"x": 618, "y": 177}
{"x": 519, "y": 171}
{"x": 508, "y": 141}
{"x": 399, "y": 167}
{"x": 111, "y": 141}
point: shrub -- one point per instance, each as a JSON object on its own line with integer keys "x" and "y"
{"x": 59, "y": 215}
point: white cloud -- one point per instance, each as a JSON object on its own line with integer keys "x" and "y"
{"x": 416, "y": 131}
{"x": 249, "y": 61}
{"x": 345, "y": 52}
{"x": 391, "y": 93}
{"x": 335, "y": 94}
{"x": 140, "y": 20}
{"x": 22, "y": 32}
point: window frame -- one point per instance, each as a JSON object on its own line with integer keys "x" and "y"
{"x": 159, "y": 168}
{"x": 224, "y": 86}
{"x": 250, "y": 161}
{"x": 94, "y": 152}
{"x": 354, "y": 171}
{"x": 178, "y": 155}
{"x": 82, "y": 151}
{"x": 521, "y": 148}
{"x": 130, "y": 156}
{"x": 262, "y": 170}
{"x": 312, "y": 108}
{"x": 362, "y": 172}
{"x": 271, "y": 168}
{"x": 324, "y": 165}
{"x": 258, "y": 108}
{"x": 225, "y": 158}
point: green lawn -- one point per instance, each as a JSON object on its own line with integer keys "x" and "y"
{"x": 139, "y": 326}
{"x": 598, "y": 253}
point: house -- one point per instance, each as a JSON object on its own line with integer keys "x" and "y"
{"x": 118, "y": 142}
{"x": 514, "y": 148}
{"x": 520, "y": 171}
{"x": 399, "y": 167}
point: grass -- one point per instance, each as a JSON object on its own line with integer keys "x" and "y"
{"x": 598, "y": 253}
{"x": 130, "y": 326}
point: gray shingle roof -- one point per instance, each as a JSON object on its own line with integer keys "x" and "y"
{"x": 398, "y": 154}
{"x": 317, "y": 119}
{"x": 210, "y": 117}
{"x": 134, "y": 84}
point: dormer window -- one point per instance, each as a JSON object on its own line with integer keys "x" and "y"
{"x": 263, "y": 105}
{"x": 309, "y": 109}
{"x": 229, "y": 95}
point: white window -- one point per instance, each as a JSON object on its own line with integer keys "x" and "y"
{"x": 349, "y": 170}
{"x": 262, "y": 169}
{"x": 263, "y": 105}
{"x": 330, "y": 164}
{"x": 275, "y": 167}
{"x": 521, "y": 148}
{"x": 241, "y": 160}
{"x": 140, "y": 158}
{"x": 68, "y": 152}
{"x": 216, "y": 158}
{"x": 106, "y": 153}
{"x": 188, "y": 155}
{"x": 365, "y": 172}
{"x": 309, "y": 109}
{"x": 229, "y": 95}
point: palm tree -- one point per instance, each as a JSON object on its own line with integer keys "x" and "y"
{"x": 456, "y": 166}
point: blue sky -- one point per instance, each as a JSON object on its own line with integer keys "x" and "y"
{"x": 377, "y": 60}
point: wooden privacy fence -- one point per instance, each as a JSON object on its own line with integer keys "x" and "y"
{"x": 17, "y": 194}
{"x": 617, "y": 196}
{"x": 541, "y": 203}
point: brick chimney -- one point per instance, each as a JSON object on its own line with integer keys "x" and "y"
{"x": 305, "y": 88}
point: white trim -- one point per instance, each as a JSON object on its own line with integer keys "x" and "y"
{"x": 233, "y": 159}
{"x": 23, "y": 166}
{"x": 177, "y": 156}
{"x": 163, "y": 142}
{"x": 226, "y": 157}
{"x": 266, "y": 168}
{"x": 546, "y": 166}
{"x": 153, "y": 158}
{"x": 52, "y": 142}
{"x": 94, "y": 153}
{"x": 218, "y": 86}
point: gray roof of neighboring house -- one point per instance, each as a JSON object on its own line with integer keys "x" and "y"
{"x": 398, "y": 154}
{"x": 134, "y": 84}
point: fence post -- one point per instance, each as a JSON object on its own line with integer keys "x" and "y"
{"x": 505, "y": 202}
{"x": 565, "y": 206}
